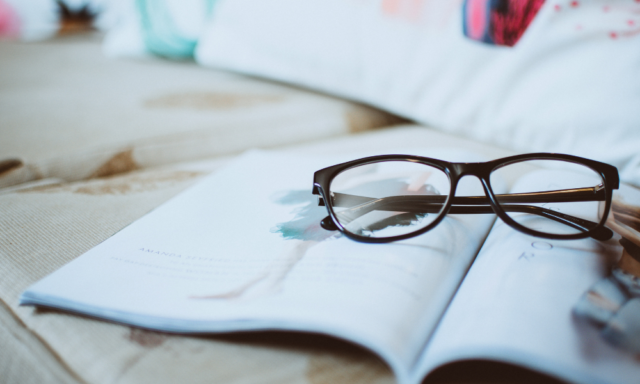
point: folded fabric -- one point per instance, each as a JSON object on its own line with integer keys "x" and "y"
{"x": 555, "y": 76}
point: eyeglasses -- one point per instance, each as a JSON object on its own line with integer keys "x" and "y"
{"x": 387, "y": 198}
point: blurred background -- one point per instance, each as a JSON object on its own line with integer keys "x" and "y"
{"x": 523, "y": 75}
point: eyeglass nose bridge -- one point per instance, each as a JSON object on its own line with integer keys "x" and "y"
{"x": 479, "y": 170}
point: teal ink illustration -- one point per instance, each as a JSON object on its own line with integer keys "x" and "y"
{"x": 306, "y": 223}
{"x": 304, "y": 232}
{"x": 304, "y": 229}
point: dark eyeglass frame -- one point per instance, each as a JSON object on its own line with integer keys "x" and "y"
{"x": 483, "y": 204}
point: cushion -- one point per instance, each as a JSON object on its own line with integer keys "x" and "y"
{"x": 68, "y": 112}
{"x": 552, "y": 76}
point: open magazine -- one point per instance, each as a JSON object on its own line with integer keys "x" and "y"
{"x": 244, "y": 250}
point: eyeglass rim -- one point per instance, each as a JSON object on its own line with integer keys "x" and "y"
{"x": 455, "y": 171}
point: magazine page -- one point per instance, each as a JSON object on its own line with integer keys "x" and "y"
{"x": 243, "y": 250}
{"x": 518, "y": 305}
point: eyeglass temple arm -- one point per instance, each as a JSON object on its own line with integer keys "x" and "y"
{"x": 360, "y": 205}
{"x": 558, "y": 196}
{"x": 602, "y": 233}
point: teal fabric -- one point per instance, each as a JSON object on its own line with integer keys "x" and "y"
{"x": 160, "y": 34}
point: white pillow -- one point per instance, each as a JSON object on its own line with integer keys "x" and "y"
{"x": 570, "y": 84}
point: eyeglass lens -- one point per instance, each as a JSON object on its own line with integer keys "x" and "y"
{"x": 389, "y": 198}
{"x": 567, "y": 192}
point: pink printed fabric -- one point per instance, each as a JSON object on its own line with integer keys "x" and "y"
{"x": 476, "y": 18}
{"x": 9, "y": 21}
{"x": 499, "y": 22}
